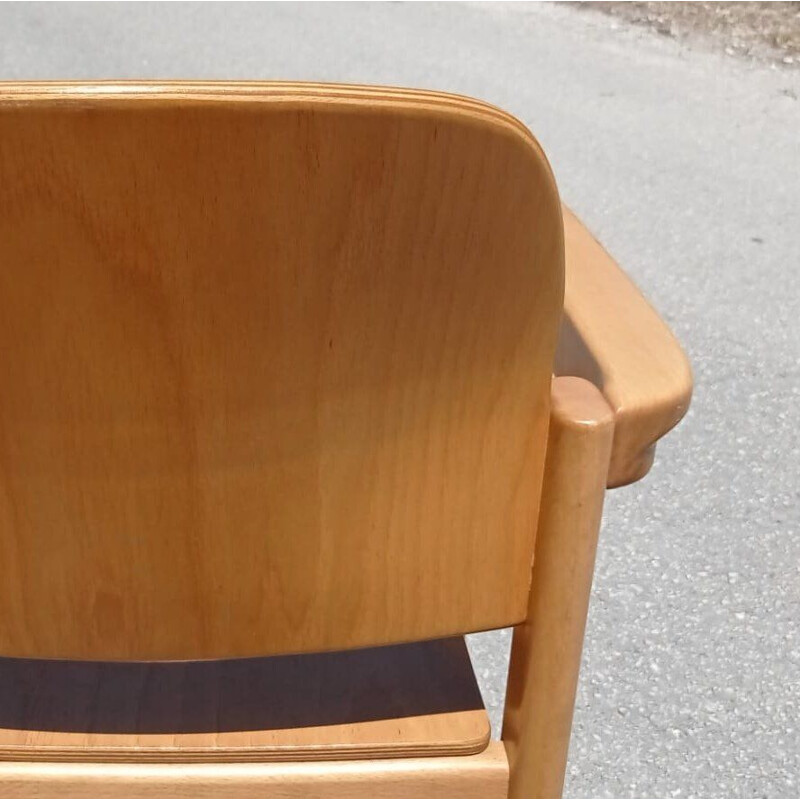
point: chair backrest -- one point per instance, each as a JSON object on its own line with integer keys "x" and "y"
{"x": 274, "y": 367}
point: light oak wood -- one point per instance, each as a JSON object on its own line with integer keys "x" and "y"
{"x": 275, "y": 364}
{"x": 546, "y": 649}
{"x": 404, "y": 700}
{"x": 481, "y": 775}
{"x": 613, "y": 337}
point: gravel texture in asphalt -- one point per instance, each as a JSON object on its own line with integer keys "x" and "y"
{"x": 686, "y": 164}
{"x": 769, "y": 32}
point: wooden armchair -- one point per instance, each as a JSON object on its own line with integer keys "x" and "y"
{"x": 278, "y": 425}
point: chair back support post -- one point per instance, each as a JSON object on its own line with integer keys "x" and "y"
{"x": 546, "y": 648}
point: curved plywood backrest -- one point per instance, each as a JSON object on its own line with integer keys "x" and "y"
{"x": 275, "y": 363}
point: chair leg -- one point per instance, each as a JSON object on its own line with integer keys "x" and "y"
{"x": 546, "y": 649}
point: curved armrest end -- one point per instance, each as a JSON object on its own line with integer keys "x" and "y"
{"x": 613, "y": 337}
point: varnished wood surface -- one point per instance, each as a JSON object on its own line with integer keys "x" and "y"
{"x": 546, "y": 649}
{"x": 399, "y": 701}
{"x": 481, "y": 775}
{"x": 275, "y": 364}
{"x": 613, "y": 337}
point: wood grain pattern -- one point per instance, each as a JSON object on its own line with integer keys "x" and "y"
{"x": 399, "y": 701}
{"x": 275, "y": 364}
{"x": 481, "y": 775}
{"x": 613, "y": 337}
{"x": 546, "y": 649}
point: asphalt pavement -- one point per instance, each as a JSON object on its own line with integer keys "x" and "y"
{"x": 686, "y": 164}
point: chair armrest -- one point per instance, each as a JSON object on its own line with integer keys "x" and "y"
{"x": 613, "y": 337}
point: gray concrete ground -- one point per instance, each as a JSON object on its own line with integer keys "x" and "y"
{"x": 687, "y": 165}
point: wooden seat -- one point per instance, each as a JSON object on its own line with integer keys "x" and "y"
{"x": 417, "y": 699}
